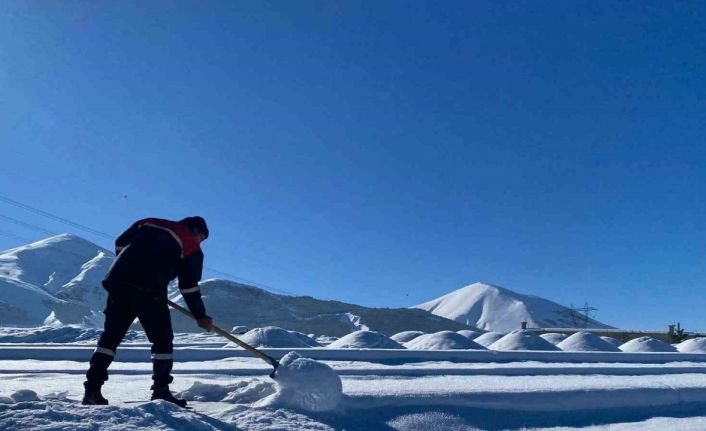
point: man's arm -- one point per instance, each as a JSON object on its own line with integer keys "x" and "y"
{"x": 190, "y": 270}
{"x": 126, "y": 237}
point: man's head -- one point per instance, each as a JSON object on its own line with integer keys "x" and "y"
{"x": 197, "y": 225}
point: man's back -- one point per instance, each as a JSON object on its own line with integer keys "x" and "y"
{"x": 151, "y": 253}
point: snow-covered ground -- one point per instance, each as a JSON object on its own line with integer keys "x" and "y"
{"x": 522, "y": 390}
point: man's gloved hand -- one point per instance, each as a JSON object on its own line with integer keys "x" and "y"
{"x": 205, "y": 322}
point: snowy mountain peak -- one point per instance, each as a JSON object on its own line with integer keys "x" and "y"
{"x": 49, "y": 263}
{"x": 496, "y": 308}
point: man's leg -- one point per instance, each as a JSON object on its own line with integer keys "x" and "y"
{"x": 118, "y": 318}
{"x": 157, "y": 323}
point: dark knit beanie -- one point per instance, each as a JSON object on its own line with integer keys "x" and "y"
{"x": 196, "y": 224}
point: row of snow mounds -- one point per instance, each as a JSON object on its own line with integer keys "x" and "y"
{"x": 587, "y": 342}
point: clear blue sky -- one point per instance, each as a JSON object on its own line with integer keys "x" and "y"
{"x": 382, "y": 153}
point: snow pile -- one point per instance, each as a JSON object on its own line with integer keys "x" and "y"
{"x": 305, "y": 384}
{"x": 405, "y": 336}
{"x": 244, "y": 391}
{"x": 20, "y": 396}
{"x": 273, "y": 336}
{"x": 365, "y": 340}
{"x": 471, "y": 335}
{"x": 489, "y": 338}
{"x": 521, "y": 339}
{"x": 646, "y": 344}
{"x": 494, "y": 308}
{"x": 57, "y": 414}
{"x": 325, "y": 340}
{"x": 693, "y": 345}
{"x": 610, "y": 340}
{"x": 554, "y": 337}
{"x": 444, "y": 340}
{"x": 586, "y": 342}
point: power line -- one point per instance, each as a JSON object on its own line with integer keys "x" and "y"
{"x": 55, "y": 217}
{"x": 27, "y": 225}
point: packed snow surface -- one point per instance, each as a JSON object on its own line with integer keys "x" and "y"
{"x": 365, "y": 340}
{"x": 405, "y": 336}
{"x": 522, "y": 340}
{"x": 305, "y": 384}
{"x": 586, "y": 342}
{"x": 240, "y": 392}
{"x": 693, "y": 345}
{"x": 273, "y": 336}
{"x": 554, "y": 337}
{"x": 68, "y": 415}
{"x": 489, "y": 338}
{"x": 494, "y": 308}
{"x": 443, "y": 340}
{"x": 647, "y": 344}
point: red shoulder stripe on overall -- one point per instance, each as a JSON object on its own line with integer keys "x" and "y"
{"x": 181, "y": 234}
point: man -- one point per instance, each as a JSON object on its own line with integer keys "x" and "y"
{"x": 150, "y": 254}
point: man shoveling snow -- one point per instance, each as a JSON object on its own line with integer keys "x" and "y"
{"x": 150, "y": 254}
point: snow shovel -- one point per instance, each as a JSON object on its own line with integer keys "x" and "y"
{"x": 270, "y": 360}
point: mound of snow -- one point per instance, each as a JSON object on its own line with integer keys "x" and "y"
{"x": 70, "y": 415}
{"x": 305, "y": 384}
{"x": 586, "y": 342}
{"x": 646, "y": 344}
{"x": 471, "y": 335}
{"x": 693, "y": 345}
{"x": 365, "y": 340}
{"x": 521, "y": 339}
{"x": 272, "y": 336}
{"x": 443, "y": 340}
{"x": 610, "y": 340}
{"x": 405, "y": 336}
{"x": 554, "y": 337}
{"x": 489, "y": 338}
{"x": 494, "y": 308}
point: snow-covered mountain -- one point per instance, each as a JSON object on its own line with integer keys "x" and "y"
{"x": 50, "y": 263}
{"x": 495, "y": 308}
{"x": 58, "y": 280}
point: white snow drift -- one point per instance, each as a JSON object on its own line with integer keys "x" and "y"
{"x": 647, "y": 344}
{"x": 365, "y": 340}
{"x": 443, "y": 340}
{"x": 273, "y": 336}
{"x": 405, "y": 336}
{"x": 522, "y": 340}
{"x": 554, "y": 337}
{"x": 586, "y": 342}
{"x": 693, "y": 345}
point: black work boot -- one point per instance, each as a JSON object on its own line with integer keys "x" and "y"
{"x": 163, "y": 393}
{"x": 93, "y": 396}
